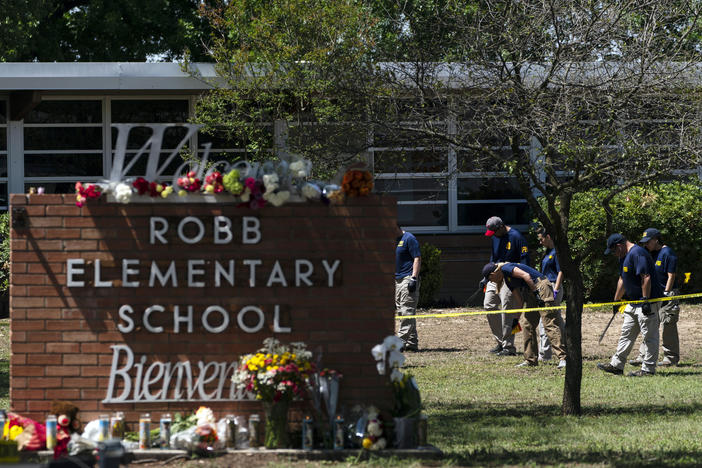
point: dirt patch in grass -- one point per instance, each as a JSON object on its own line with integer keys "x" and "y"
{"x": 471, "y": 334}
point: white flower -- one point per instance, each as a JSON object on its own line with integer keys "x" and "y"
{"x": 395, "y": 359}
{"x": 270, "y": 181}
{"x": 123, "y": 193}
{"x": 380, "y": 365}
{"x": 277, "y": 198}
{"x": 378, "y": 352}
{"x": 396, "y": 375}
{"x": 392, "y": 343}
{"x": 298, "y": 169}
{"x": 380, "y": 444}
{"x": 311, "y": 191}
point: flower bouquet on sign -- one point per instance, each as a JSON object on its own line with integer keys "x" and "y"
{"x": 275, "y": 374}
{"x": 357, "y": 183}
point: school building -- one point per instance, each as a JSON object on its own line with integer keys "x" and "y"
{"x": 56, "y": 128}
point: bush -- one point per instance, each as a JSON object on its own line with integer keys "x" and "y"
{"x": 674, "y": 208}
{"x": 430, "y": 274}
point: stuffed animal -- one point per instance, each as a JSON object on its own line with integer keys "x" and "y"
{"x": 67, "y": 422}
{"x": 29, "y": 434}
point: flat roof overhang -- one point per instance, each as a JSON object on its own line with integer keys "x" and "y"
{"x": 108, "y": 76}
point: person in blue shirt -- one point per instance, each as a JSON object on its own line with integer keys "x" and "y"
{"x": 508, "y": 245}
{"x": 665, "y": 265}
{"x": 636, "y": 279}
{"x": 552, "y": 269}
{"x": 533, "y": 288}
{"x": 408, "y": 261}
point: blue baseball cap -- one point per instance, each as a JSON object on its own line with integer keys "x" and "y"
{"x": 650, "y": 233}
{"x": 488, "y": 269}
{"x": 614, "y": 240}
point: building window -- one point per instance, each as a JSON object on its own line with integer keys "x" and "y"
{"x": 482, "y": 192}
{"x": 441, "y": 189}
{"x": 151, "y": 111}
{"x": 416, "y": 171}
{"x": 3, "y": 154}
{"x": 63, "y": 142}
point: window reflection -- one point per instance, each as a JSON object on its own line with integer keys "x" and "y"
{"x": 67, "y": 138}
{"x": 65, "y": 112}
{"x": 62, "y": 165}
{"x": 149, "y": 110}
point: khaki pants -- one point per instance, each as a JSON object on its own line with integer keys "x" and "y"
{"x": 670, "y": 342}
{"x": 406, "y": 304}
{"x": 545, "y": 351}
{"x": 530, "y": 322}
{"x": 634, "y": 322}
{"x": 501, "y": 324}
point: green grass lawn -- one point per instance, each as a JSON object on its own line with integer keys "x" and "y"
{"x": 484, "y": 412}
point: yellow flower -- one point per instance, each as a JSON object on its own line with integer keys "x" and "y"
{"x": 367, "y": 443}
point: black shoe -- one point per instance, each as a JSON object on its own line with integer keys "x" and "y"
{"x": 640, "y": 373}
{"x": 411, "y": 349}
{"x": 496, "y": 349}
{"x": 610, "y": 368}
{"x": 507, "y": 352}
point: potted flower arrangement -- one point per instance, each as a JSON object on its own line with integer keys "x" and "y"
{"x": 408, "y": 402}
{"x": 276, "y": 374}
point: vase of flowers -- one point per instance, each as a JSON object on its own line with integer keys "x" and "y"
{"x": 276, "y": 426}
{"x": 275, "y": 374}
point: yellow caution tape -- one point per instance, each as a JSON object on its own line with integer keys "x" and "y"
{"x": 526, "y": 309}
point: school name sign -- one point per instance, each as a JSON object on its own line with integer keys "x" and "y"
{"x": 149, "y": 306}
{"x": 165, "y": 381}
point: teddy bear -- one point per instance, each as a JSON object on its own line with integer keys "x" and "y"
{"x": 67, "y": 422}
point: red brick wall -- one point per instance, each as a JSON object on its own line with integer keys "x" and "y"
{"x": 61, "y": 336}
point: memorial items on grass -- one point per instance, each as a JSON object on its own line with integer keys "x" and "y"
{"x": 67, "y": 423}
{"x": 323, "y": 388}
{"x": 276, "y": 374}
{"x": 407, "y": 400}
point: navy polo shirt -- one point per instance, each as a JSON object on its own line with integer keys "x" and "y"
{"x": 512, "y": 247}
{"x": 665, "y": 262}
{"x": 406, "y": 251}
{"x": 550, "y": 266}
{"x": 512, "y": 282}
{"x": 638, "y": 262}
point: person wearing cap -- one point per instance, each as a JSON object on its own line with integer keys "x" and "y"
{"x": 408, "y": 260}
{"x": 665, "y": 263}
{"x": 508, "y": 245}
{"x": 532, "y": 288}
{"x": 636, "y": 279}
{"x": 552, "y": 269}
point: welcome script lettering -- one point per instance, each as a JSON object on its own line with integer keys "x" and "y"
{"x": 133, "y": 378}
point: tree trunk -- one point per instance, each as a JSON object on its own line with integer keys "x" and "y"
{"x": 574, "y": 369}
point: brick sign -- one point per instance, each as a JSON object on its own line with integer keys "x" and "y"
{"x": 148, "y": 306}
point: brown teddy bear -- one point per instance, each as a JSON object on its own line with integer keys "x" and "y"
{"x": 67, "y": 422}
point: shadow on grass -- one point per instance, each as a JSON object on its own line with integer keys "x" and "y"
{"x": 547, "y": 412}
{"x": 486, "y": 436}
{"x": 549, "y": 457}
{"x": 439, "y": 350}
